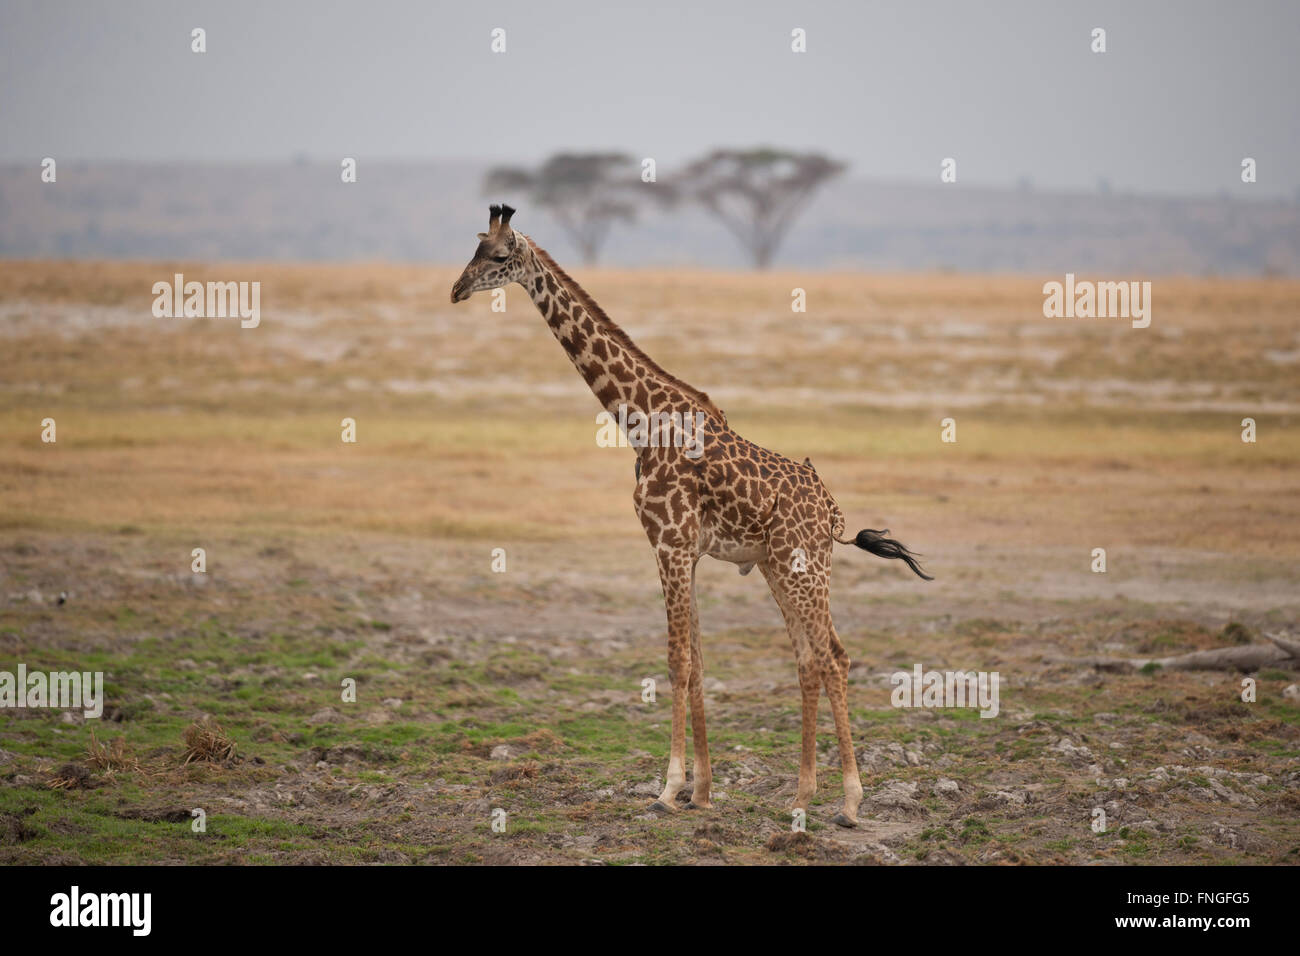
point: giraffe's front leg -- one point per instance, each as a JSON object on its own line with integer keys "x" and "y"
{"x": 668, "y": 513}
{"x": 676, "y": 573}
{"x": 702, "y": 774}
{"x": 679, "y": 653}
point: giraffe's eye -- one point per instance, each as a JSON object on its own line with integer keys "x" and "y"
{"x": 500, "y": 258}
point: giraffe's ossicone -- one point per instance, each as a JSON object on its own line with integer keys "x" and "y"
{"x": 701, "y": 489}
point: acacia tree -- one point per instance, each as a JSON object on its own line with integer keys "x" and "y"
{"x": 756, "y": 193}
{"x": 586, "y": 193}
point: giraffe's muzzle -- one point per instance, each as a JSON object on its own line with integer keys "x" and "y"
{"x": 459, "y": 293}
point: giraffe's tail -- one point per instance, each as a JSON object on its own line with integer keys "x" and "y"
{"x": 877, "y": 542}
{"x": 882, "y": 546}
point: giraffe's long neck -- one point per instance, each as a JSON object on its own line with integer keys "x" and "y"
{"x": 618, "y": 373}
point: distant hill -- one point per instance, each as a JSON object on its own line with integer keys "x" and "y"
{"x": 430, "y": 213}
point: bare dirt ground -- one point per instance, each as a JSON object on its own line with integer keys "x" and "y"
{"x": 522, "y": 690}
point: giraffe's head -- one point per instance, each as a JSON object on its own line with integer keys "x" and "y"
{"x": 502, "y": 257}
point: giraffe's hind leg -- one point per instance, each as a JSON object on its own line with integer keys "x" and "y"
{"x": 836, "y": 679}
{"x": 801, "y": 585}
{"x": 809, "y": 686}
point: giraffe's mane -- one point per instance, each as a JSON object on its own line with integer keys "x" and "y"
{"x": 623, "y": 339}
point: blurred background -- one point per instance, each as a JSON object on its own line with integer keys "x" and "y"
{"x": 1066, "y": 159}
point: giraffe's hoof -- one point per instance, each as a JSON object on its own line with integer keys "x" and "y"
{"x": 841, "y": 820}
{"x": 660, "y": 807}
{"x": 699, "y": 806}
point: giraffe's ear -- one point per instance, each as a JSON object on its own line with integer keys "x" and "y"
{"x": 482, "y": 236}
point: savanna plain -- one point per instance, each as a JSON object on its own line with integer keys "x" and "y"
{"x": 372, "y": 561}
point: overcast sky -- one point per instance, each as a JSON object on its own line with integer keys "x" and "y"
{"x": 1009, "y": 89}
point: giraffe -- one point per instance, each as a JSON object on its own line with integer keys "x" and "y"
{"x": 715, "y": 494}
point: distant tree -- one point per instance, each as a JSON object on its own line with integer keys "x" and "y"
{"x": 586, "y": 193}
{"x": 756, "y": 193}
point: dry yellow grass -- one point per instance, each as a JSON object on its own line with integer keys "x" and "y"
{"x": 206, "y": 742}
{"x": 473, "y": 424}
{"x": 109, "y": 757}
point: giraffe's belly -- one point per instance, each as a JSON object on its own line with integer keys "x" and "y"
{"x": 733, "y": 546}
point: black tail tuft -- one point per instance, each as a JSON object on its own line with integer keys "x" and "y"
{"x": 883, "y": 547}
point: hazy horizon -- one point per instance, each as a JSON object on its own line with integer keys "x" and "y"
{"x": 1012, "y": 91}
{"x": 1103, "y": 187}
{"x": 431, "y": 211}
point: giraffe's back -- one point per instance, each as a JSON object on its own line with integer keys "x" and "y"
{"x": 746, "y": 491}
